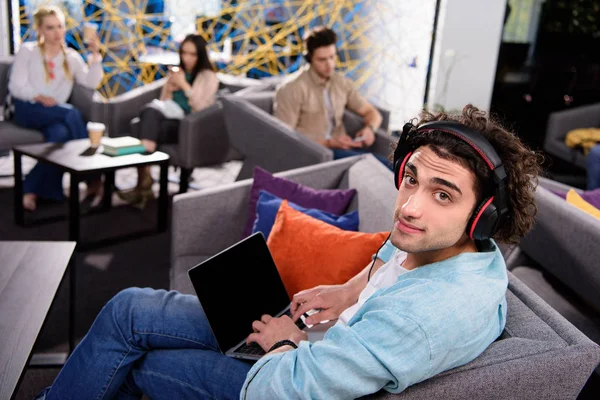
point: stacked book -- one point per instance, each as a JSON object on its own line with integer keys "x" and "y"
{"x": 122, "y": 145}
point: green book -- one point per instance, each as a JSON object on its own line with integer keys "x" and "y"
{"x": 124, "y": 150}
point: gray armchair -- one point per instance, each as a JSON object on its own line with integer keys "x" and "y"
{"x": 352, "y": 121}
{"x": 265, "y": 141}
{"x": 203, "y": 139}
{"x": 88, "y": 101}
{"x": 251, "y": 115}
{"x": 561, "y": 122}
{"x": 539, "y": 355}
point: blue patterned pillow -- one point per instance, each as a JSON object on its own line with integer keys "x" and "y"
{"x": 268, "y": 205}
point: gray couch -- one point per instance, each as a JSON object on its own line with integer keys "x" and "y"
{"x": 539, "y": 355}
{"x": 89, "y": 102}
{"x": 559, "y": 259}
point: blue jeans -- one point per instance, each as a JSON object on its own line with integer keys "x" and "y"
{"x": 153, "y": 342}
{"x": 593, "y": 168}
{"x": 59, "y": 124}
{"x": 340, "y": 153}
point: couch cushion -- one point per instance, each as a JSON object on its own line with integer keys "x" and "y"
{"x": 13, "y": 135}
{"x": 309, "y": 252}
{"x": 331, "y": 200}
{"x": 268, "y": 205}
{"x": 561, "y": 299}
{"x": 376, "y": 194}
{"x": 564, "y": 241}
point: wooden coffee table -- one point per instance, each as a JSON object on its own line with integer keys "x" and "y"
{"x": 78, "y": 159}
{"x": 29, "y": 278}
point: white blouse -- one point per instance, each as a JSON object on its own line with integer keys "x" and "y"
{"x": 28, "y": 77}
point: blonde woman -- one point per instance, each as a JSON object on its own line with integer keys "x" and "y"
{"x": 40, "y": 84}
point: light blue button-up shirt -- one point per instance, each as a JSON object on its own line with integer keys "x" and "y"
{"x": 433, "y": 318}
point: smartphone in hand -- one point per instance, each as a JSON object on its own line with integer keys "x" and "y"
{"x": 359, "y": 139}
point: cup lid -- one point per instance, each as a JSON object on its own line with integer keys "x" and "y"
{"x": 96, "y": 126}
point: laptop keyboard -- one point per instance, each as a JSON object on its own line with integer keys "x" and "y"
{"x": 255, "y": 349}
{"x": 251, "y": 348}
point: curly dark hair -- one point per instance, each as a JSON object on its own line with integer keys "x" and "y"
{"x": 521, "y": 164}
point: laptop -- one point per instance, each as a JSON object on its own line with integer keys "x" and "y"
{"x": 235, "y": 288}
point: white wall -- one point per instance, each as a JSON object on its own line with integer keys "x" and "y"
{"x": 399, "y": 53}
{"x": 466, "y": 52}
{"x": 4, "y": 33}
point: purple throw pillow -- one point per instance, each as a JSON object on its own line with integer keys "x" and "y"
{"x": 334, "y": 201}
{"x": 591, "y": 196}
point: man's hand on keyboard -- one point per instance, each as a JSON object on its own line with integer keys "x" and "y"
{"x": 269, "y": 331}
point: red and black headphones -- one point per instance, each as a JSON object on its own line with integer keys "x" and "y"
{"x": 486, "y": 218}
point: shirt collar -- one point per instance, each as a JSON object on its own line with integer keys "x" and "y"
{"x": 316, "y": 79}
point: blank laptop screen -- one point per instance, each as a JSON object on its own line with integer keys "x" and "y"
{"x": 236, "y": 287}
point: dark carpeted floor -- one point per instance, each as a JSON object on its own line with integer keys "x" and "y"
{"x": 132, "y": 259}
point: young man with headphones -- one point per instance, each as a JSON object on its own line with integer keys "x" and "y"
{"x": 432, "y": 299}
{"x": 313, "y": 100}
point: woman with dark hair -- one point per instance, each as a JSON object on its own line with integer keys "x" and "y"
{"x": 192, "y": 86}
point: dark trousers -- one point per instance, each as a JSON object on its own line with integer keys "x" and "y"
{"x": 340, "y": 153}
{"x": 59, "y": 124}
{"x": 156, "y": 127}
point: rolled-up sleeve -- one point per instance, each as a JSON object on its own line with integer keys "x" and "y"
{"x": 286, "y": 106}
{"x": 18, "y": 84}
{"x": 383, "y": 349}
{"x": 87, "y": 76}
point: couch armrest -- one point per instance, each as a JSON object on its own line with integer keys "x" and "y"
{"x": 564, "y": 241}
{"x": 267, "y": 142}
{"x": 203, "y": 138}
{"x": 540, "y": 355}
{"x": 89, "y": 102}
{"x": 561, "y": 122}
{"x": 211, "y": 220}
{"x": 121, "y": 109}
{"x": 383, "y": 143}
{"x": 558, "y": 186}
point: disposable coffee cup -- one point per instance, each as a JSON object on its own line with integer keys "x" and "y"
{"x": 95, "y": 132}
{"x": 90, "y": 31}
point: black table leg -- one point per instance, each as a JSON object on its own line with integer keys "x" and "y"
{"x": 163, "y": 199}
{"x": 109, "y": 184}
{"x": 18, "y": 192}
{"x": 74, "y": 208}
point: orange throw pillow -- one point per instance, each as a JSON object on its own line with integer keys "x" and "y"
{"x": 309, "y": 252}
